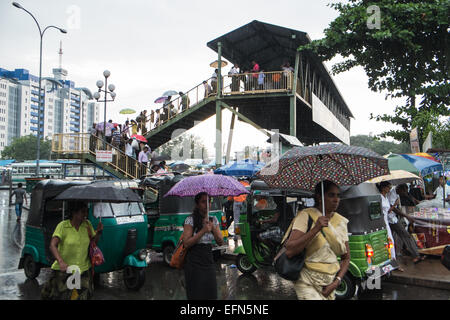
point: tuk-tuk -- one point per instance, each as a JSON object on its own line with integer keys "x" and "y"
{"x": 368, "y": 241}
{"x": 123, "y": 241}
{"x": 254, "y": 252}
{"x": 166, "y": 215}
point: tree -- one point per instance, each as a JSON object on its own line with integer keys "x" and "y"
{"x": 406, "y": 54}
{"x": 25, "y": 148}
{"x": 192, "y": 144}
{"x": 379, "y": 146}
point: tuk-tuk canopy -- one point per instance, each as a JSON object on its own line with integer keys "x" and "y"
{"x": 45, "y": 190}
{"x": 173, "y": 205}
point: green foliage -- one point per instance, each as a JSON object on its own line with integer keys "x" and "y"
{"x": 379, "y": 146}
{"x": 407, "y": 56}
{"x": 25, "y": 148}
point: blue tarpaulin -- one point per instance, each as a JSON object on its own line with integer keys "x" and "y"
{"x": 240, "y": 168}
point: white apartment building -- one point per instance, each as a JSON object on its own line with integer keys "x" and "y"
{"x": 64, "y": 108}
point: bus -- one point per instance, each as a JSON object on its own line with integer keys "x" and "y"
{"x": 27, "y": 169}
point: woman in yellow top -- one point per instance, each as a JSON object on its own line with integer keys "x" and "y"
{"x": 134, "y": 127}
{"x": 324, "y": 243}
{"x": 70, "y": 245}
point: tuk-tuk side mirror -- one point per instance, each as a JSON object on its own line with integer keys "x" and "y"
{"x": 374, "y": 210}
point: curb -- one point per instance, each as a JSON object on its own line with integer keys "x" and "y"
{"x": 421, "y": 282}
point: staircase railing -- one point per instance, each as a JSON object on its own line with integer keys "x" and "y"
{"x": 176, "y": 106}
{"x": 85, "y": 143}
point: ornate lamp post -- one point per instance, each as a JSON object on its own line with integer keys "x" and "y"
{"x": 41, "y": 34}
{"x": 108, "y": 90}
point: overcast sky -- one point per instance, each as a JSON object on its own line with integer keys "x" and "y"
{"x": 151, "y": 46}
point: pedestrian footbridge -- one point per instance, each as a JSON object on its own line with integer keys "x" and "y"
{"x": 83, "y": 146}
{"x": 302, "y": 101}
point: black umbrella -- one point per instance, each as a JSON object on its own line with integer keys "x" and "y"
{"x": 182, "y": 167}
{"x": 162, "y": 157}
{"x": 101, "y": 191}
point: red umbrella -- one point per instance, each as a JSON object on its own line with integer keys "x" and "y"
{"x": 139, "y": 138}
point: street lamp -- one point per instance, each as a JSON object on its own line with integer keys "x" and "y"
{"x": 41, "y": 34}
{"x": 108, "y": 89}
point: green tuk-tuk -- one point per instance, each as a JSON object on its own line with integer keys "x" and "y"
{"x": 123, "y": 241}
{"x": 166, "y": 215}
{"x": 368, "y": 241}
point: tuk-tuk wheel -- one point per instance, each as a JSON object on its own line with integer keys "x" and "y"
{"x": 346, "y": 289}
{"x": 133, "y": 277}
{"x": 167, "y": 253}
{"x": 244, "y": 265}
{"x": 31, "y": 267}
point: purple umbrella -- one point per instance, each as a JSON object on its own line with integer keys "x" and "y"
{"x": 161, "y": 99}
{"x": 213, "y": 184}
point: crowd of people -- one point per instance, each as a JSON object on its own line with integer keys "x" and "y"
{"x": 128, "y": 139}
{"x": 253, "y": 78}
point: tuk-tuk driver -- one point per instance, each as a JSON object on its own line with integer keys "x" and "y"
{"x": 273, "y": 231}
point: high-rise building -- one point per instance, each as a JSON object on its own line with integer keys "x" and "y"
{"x": 64, "y": 108}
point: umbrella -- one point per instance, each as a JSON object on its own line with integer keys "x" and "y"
{"x": 397, "y": 162}
{"x": 304, "y": 167}
{"x": 215, "y": 64}
{"x": 246, "y": 167}
{"x": 161, "y": 99}
{"x": 426, "y": 155}
{"x": 396, "y": 177}
{"x": 170, "y": 93}
{"x": 162, "y": 157}
{"x": 127, "y": 111}
{"x": 425, "y": 166}
{"x": 139, "y": 138}
{"x": 213, "y": 184}
{"x": 181, "y": 167}
{"x": 101, "y": 191}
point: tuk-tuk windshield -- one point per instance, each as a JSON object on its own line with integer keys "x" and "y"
{"x": 108, "y": 210}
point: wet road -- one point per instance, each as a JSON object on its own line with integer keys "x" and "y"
{"x": 163, "y": 282}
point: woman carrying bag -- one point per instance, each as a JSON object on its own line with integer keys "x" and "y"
{"x": 199, "y": 267}
{"x": 325, "y": 241}
{"x": 70, "y": 247}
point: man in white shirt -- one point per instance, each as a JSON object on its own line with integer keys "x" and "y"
{"x": 234, "y": 78}
{"x": 129, "y": 148}
{"x": 443, "y": 191}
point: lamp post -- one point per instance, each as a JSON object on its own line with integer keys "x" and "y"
{"x": 41, "y": 34}
{"x": 108, "y": 89}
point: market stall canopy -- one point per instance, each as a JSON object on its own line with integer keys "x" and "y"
{"x": 426, "y": 166}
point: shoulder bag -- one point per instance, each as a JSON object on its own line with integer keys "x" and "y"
{"x": 177, "y": 260}
{"x": 289, "y": 268}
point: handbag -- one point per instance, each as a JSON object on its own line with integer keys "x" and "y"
{"x": 289, "y": 268}
{"x": 95, "y": 254}
{"x": 177, "y": 260}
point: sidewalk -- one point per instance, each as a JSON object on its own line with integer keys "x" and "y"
{"x": 428, "y": 273}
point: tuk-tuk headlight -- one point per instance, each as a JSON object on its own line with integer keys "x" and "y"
{"x": 142, "y": 254}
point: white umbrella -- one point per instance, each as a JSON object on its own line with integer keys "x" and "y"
{"x": 396, "y": 177}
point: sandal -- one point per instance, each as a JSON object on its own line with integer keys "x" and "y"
{"x": 401, "y": 269}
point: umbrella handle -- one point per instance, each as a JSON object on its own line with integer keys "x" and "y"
{"x": 323, "y": 199}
